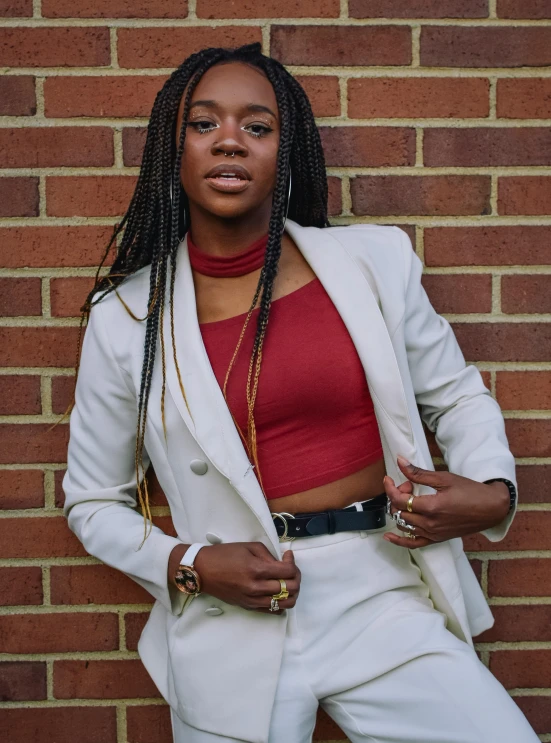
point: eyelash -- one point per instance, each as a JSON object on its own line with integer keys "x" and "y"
{"x": 196, "y": 126}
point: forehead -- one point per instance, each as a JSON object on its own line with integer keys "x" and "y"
{"x": 233, "y": 86}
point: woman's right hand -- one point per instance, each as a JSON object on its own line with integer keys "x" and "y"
{"x": 246, "y": 574}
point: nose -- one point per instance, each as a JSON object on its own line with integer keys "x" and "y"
{"x": 230, "y": 140}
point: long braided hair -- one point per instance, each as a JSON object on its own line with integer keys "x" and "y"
{"x": 157, "y": 218}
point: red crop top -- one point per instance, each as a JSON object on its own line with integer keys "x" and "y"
{"x": 313, "y": 412}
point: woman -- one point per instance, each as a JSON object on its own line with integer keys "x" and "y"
{"x": 284, "y": 451}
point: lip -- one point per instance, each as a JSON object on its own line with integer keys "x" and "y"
{"x": 228, "y": 186}
{"x": 238, "y": 170}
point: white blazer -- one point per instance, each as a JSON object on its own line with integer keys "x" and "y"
{"x": 219, "y": 673}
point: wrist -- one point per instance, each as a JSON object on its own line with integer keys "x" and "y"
{"x": 502, "y": 499}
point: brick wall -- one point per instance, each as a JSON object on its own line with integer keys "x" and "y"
{"x": 435, "y": 115}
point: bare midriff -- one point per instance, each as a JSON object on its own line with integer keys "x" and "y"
{"x": 359, "y": 486}
{"x": 218, "y": 299}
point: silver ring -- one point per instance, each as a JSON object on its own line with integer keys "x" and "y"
{"x": 274, "y": 606}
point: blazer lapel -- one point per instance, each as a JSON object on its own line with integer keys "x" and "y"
{"x": 199, "y": 398}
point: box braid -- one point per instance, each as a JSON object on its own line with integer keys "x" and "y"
{"x": 156, "y": 220}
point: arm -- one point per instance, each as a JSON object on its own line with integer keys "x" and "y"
{"x": 454, "y": 402}
{"x": 100, "y": 481}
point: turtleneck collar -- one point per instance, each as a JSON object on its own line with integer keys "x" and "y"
{"x": 245, "y": 261}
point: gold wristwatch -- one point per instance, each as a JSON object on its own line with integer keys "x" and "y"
{"x": 187, "y": 579}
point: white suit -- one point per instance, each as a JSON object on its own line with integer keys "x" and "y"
{"x": 206, "y": 666}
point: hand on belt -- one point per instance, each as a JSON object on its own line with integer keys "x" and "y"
{"x": 372, "y": 516}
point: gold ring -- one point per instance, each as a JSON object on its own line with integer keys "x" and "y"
{"x": 409, "y": 535}
{"x": 284, "y": 593}
{"x": 410, "y": 503}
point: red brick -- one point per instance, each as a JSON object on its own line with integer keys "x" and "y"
{"x": 326, "y": 729}
{"x": 459, "y": 293}
{"x": 488, "y": 246}
{"x": 534, "y": 483}
{"x": 526, "y": 294}
{"x": 134, "y": 623}
{"x": 418, "y": 9}
{"x": 323, "y": 93}
{"x": 42, "y": 147}
{"x": 524, "y": 195}
{"x": 18, "y": 197}
{"x": 59, "y": 633}
{"x": 149, "y": 724}
{"x": 528, "y": 576}
{"x": 504, "y": 341}
{"x": 266, "y": 9}
{"x": 523, "y": 9}
{"x": 368, "y": 146}
{"x": 521, "y": 668}
{"x": 21, "y": 488}
{"x": 62, "y": 393}
{"x": 125, "y": 96}
{"x": 485, "y": 46}
{"x": 54, "y": 47}
{"x": 89, "y": 196}
{"x": 341, "y": 45}
{"x": 16, "y": 8}
{"x": 477, "y": 568}
{"x": 334, "y": 201}
{"x": 26, "y": 443}
{"x": 94, "y": 584}
{"x": 133, "y": 143}
{"x": 20, "y": 297}
{"x": 38, "y": 537}
{"x": 40, "y": 247}
{"x": 113, "y": 9}
{"x": 21, "y": 682}
{"x": 537, "y": 711}
{"x": 20, "y": 395}
{"x": 102, "y": 679}
{"x": 59, "y": 724}
{"x": 417, "y": 97}
{"x": 153, "y": 47}
{"x": 519, "y": 623}
{"x": 420, "y": 195}
{"x": 529, "y": 438}
{"x": 17, "y": 95}
{"x": 524, "y": 390}
{"x": 484, "y": 146}
{"x": 524, "y": 98}
{"x": 20, "y": 586}
{"x": 33, "y": 346}
{"x": 59, "y": 494}
{"x": 68, "y": 295}
{"x": 530, "y": 530}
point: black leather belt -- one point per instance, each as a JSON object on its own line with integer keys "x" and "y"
{"x": 373, "y": 516}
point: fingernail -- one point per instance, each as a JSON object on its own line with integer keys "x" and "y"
{"x": 403, "y": 461}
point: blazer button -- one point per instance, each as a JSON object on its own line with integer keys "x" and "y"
{"x": 198, "y": 466}
{"x": 214, "y": 611}
{"x": 213, "y": 538}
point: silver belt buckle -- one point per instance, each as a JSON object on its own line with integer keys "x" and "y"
{"x": 284, "y": 537}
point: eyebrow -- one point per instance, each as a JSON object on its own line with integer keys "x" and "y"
{"x": 253, "y": 107}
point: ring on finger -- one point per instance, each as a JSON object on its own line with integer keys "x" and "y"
{"x": 274, "y": 606}
{"x": 409, "y": 527}
{"x": 409, "y": 504}
{"x": 409, "y": 535}
{"x": 283, "y": 593}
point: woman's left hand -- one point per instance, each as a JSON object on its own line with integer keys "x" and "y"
{"x": 460, "y": 506}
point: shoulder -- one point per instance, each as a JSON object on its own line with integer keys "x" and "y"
{"x": 133, "y": 292}
{"x": 385, "y": 251}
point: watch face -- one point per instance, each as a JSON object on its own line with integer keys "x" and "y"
{"x": 186, "y": 581}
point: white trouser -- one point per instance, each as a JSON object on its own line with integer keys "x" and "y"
{"x": 365, "y": 642}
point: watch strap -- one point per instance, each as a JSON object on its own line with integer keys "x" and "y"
{"x": 190, "y": 554}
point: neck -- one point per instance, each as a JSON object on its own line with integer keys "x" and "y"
{"x": 226, "y": 236}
